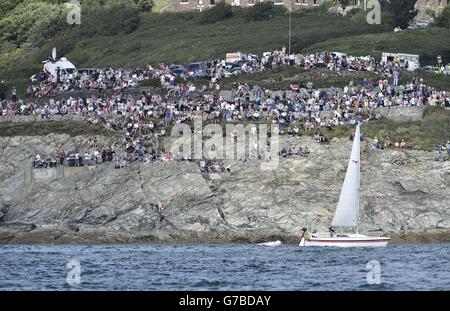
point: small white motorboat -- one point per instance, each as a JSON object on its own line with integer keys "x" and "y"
{"x": 273, "y": 243}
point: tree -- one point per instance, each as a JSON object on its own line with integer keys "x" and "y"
{"x": 444, "y": 19}
{"x": 260, "y": 11}
{"x": 219, "y": 12}
{"x": 398, "y": 12}
{"x": 344, "y": 3}
{"x": 144, "y": 5}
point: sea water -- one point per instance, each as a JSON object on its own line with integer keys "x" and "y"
{"x": 223, "y": 267}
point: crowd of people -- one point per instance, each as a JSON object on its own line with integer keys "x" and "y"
{"x": 43, "y": 84}
{"x": 144, "y": 118}
{"x": 401, "y": 144}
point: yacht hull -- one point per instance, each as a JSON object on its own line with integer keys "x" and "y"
{"x": 348, "y": 241}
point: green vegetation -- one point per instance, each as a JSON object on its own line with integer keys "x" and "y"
{"x": 398, "y": 13}
{"x": 434, "y": 128}
{"x": 282, "y": 77}
{"x": 170, "y": 37}
{"x": 217, "y": 13}
{"x": 40, "y": 128}
{"x": 444, "y": 19}
{"x": 160, "y": 5}
{"x": 439, "y": 81}
{"x": 121, "y": 33}
{"x": 32, "y": 23}
{"x": 261, "y": 11}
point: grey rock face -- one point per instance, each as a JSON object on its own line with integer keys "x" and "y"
{"x": 246, "y": 204}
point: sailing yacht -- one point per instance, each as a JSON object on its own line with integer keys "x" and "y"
{"x": 346, "y": 214}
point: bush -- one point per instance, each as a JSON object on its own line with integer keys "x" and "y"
{"x": 260, "y": 11}
{"x": 32, "y": 22}
{"x": 8, "y": 5}
{"x": 398, "y": 13}
{"x": 108, "y": 20}
{"x": 344, "y": 3}
{"x": 144, "y": 5}
{"x": 217, "y": 13}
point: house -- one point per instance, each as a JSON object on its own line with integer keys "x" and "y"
{"x": 200, "y": 5}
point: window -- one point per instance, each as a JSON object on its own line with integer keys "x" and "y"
{"x": 279, "y": 2}
{"x": 440, "y": 2}
{"x": 357, "y": 2}
{"x": 184, "y": 1}
{"x": 251, "y": 2}
{"x": 212, "y": 2}
{"x": 316, "y": 2}
{"x": 305, "y": 2}
{"x": 200, "y": 2}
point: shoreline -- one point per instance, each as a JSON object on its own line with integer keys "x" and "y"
{"x": 103, "y": 237}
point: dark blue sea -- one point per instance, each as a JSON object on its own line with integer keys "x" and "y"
{"x": 223, "y": 267}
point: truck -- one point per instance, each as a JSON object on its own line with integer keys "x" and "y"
{"x": 235, "y": 57}
{"x": 59, "y": 68}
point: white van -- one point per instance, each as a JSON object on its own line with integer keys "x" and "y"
{"x": 60, "y": 69}
{"x": 407, "y": 61}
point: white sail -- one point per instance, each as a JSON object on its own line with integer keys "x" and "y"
{"x": 347, "y": 209}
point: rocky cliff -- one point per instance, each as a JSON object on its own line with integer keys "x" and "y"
{"x": 106, "y": 205}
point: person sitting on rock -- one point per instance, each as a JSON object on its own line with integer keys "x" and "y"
{"x": 398, "y": 161}
{"x": 37, "y": 160}
{"x": 403, "y": 144}
{"x": 376, "y": 144}
{"x": 387, "y": 143}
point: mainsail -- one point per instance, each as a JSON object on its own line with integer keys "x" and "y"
{"x": 347, "y": 209}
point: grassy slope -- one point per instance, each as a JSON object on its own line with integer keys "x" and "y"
{"x": 176, "y": 38}
{"x": 282, "y": 77}
{"x": 74, "y": 128}
{"x": 160, "y": 4}
{"x": 170, "y": 38}
{"x": 173, "y": 37}
{"x": 434, "y": 128}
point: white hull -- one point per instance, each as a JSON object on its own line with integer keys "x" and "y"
{"x": 272, "y": 244}
{"x": 346, "y": 241}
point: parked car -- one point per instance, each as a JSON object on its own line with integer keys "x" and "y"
{"x": 177, "y": 70}
{"x": 89, "y": 71}
{"x": 430, "y": 68}
{"x": 197, "y": 70}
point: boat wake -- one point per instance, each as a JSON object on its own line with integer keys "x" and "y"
{"x": 273, "y": 243}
